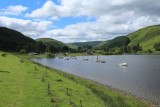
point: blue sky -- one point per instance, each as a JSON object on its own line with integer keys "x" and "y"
{"x": 78, "y": 20}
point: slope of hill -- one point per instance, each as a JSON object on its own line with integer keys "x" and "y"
{"x": 55, "y": 43}
{"x": 12, "y": 40}
{"x": 70, "y": 45}
{"x": 116, "y": 42}
{"x": 92, "y": 43}
{"x": 146, "y": 37}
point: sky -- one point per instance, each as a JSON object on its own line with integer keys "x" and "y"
{"x": 78, "y": 20}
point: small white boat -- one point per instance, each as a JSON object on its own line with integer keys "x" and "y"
{"x": 97, "y": 60}
{"x": 85, "y": 59}
{"x": 60, "y": 57}
{"x": 123, "y": 64}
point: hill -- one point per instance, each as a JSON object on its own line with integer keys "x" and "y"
{"x": 70, "y": 45}
{"x": 12, "y": 40}
{"x": 55, "y": 43}
{"x": 116, "y": 42}
{"x": 146, "y": 37}
{"x": 79, "y": 44}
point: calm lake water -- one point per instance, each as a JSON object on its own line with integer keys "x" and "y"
{"x": 141, "y": 77}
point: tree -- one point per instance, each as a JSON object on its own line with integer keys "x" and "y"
{"x": 49, "y": 55}
{"x": 39, "y": 47}
{"x": 50, "y": 48}
{"x": 128, "y": 49}
{"x": 157, "y": 46}
{"x": 149, "y": 51}
{"x": 65, "y": 49}
{"x": 136, "y": 48}
{"x": 79, "y": 49}
{"x": 118, "y": 51}
{"x": 29, "y": 47}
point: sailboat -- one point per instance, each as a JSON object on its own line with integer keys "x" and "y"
{"x": 85, "y": 59}
{"x": 123, "y": 63}
{"x": 97, "y": 60}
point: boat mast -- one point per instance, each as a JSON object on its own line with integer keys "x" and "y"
{"x": 123, "y": 50}
{"x": 124, "y": 53}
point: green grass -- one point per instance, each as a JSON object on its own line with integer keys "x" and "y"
{"x": 70, "y": 45}
{"x": 146, "y": 37}
{"x": 26, "y": 85}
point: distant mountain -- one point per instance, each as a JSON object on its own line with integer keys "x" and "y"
{"x": 116, "y": 42}
{"x": 79, "y": 44}
{"x": 12, "y": 40}
{"x": 56, "y": 43}
{"x": 146, "y": 37}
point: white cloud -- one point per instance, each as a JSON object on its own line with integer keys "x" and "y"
{"x": 54, "y": 18}
{"x": 96, "y": 8}
{"x": 13, "y": 10}
{"x": 113, "y": 18}
{"x": 48, "y": 8}
{"x": 27, "y": 27}
{"x": 105, "y": 28}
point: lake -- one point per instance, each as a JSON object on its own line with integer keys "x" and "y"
{"x": 140, "y": 78}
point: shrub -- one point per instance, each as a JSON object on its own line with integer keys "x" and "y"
{"x": 23, "y": 51}
{"x": 49, "y": 55}
{"x": 4, "y": 54}
{"x": 21, "y": 60}
{"x": 149, "y": 51}
{"x": 157, "y": 46}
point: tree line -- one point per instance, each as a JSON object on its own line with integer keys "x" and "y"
{"x": 39, "y": 48}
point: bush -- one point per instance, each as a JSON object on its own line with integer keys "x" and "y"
{"x": 149, "y": 51}
{"x": 157, "y": 46}
{"x": 21, "y": 60}
{"x": 49, "y": 55}
{"x": 23, "y": 51}
{"x": 4, "y": 54}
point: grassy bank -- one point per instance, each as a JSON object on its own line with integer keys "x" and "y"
{"x": 24, "y": 83}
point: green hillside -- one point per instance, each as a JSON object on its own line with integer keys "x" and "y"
{"x": 146, "y": 37}
{"x": 12, "y": 40}
{"x": 91, "y": 43}
{"x": 116, "y": 42}
{"x": 56, "y": 43}
{"x": 70, "y": 45}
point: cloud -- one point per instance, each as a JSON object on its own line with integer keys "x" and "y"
{"x": 104, "y": 28}
{"x": 13, "y": 10}
{"x": 54, "y": 18}
{"x": 27, "y": 27}
{"x": 112, "y": 18}
{"x": 96, "y": 8}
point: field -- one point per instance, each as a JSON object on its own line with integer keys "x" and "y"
{"x": 24, "y": 83}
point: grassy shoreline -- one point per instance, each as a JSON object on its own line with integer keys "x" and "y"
{"x": 106, "y": 87}
{"x": 27, "y": 82}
